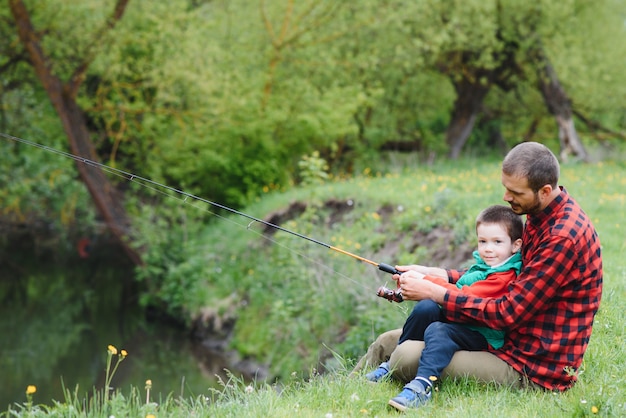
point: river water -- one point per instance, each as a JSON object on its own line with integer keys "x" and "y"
{"x": 58, "y": 318}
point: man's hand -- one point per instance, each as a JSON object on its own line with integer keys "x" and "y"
{"x": 414, "y": 288}
{"x": 428, "y": 271}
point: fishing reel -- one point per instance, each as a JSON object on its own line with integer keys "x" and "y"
{"x": 390, "y": 295}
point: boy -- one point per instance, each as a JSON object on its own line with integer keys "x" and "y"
{"x": 498, "y": 261}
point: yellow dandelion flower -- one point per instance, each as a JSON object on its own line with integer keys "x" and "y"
{"x": 148, "y": 384}
{"x": 30, "y": 389}
{"x": 150, "y": 416}
{"x": 112, "y": 349}
{"x": 123, "y": 353}
{"x": 594, "y": 409}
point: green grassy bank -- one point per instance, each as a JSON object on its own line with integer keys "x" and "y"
{"x": 307, "y": 312}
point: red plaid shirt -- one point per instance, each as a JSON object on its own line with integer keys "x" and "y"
{"x": 549, "y": 311}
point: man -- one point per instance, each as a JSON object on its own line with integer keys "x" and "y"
{"x": 548, "y": 312}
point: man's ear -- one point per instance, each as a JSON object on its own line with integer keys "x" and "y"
{"x": 545, "y": 191}
{"x": 517, "y": 245}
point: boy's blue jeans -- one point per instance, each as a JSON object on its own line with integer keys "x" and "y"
{"x": 441, "y": 338}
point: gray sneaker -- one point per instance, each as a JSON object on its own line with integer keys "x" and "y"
{"x": 378, "y": 374}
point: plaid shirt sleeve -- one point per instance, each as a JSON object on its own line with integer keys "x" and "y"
{"x": 455, "y": 275}
{"x": 549, "y": 310}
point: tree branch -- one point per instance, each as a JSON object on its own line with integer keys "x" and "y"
{"x": 104, "y": 195}
{"x": 597, "y": 126}
{"x": 79, "y": 73}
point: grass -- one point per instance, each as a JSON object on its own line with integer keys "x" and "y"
{"x": 339, "y": 395}
{"x": 307, "y": 308}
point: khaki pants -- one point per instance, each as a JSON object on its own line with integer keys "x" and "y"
{"x": 404, "y": 359}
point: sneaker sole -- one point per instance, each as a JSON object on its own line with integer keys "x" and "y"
{"x": 398, "y": 406}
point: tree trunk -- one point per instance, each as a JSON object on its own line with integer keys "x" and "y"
{"x": 469, "y": 98}
{"x": 559, "y": 106}
{"x": 490, "y": 124}
{"x": 62, "y": 95}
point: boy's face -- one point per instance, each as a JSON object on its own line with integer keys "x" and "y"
{"x": 494, "y": 243}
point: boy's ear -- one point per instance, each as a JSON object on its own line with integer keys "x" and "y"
{"x": 517, "y": 245}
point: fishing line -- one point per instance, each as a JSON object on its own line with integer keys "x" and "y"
{"x": 183, "y": 196}
{"x": 247, "y": 227}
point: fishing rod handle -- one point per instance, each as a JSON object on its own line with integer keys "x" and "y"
{"x": 388, "y": 269}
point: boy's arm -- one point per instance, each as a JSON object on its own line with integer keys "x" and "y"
{"x": 441, "y": 282}
{"x": 495, "y": 285}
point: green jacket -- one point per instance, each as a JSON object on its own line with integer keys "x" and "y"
{"x": 480, "y": 271}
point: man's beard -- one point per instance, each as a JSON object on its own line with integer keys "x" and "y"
{"x": 531, "y": 209}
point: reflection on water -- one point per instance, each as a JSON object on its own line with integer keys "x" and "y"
{"x": 56, "y": 326}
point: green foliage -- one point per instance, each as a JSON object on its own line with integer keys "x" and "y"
{"x": 181, "y": 93}
{"x": 590, "y": 77}
{"x": 313, "y": 169}
{"x": 174, "y": 264}
{"x": 40, "y": 189}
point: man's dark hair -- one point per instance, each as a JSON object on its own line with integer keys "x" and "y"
{"x": 533, "y": 161}
{"x": 502, "y": 215}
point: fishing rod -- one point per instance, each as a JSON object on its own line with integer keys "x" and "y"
{"x": 389, "y": 294}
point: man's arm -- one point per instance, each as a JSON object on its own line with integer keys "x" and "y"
{"x": 426, "y": 271}
{"x": 549, "y": 269}
{"x": 535, "y": 286}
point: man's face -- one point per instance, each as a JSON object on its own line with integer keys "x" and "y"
{"x": 521, "y": 198}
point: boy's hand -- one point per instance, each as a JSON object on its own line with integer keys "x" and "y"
{"x": 414, "y": 288}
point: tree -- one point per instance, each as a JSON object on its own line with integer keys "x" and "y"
{"x": 511, "y": 45}
{"x": 63, "y": 94}
{"x": 559, "y": 105}
{"x": 222, "y": 99}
